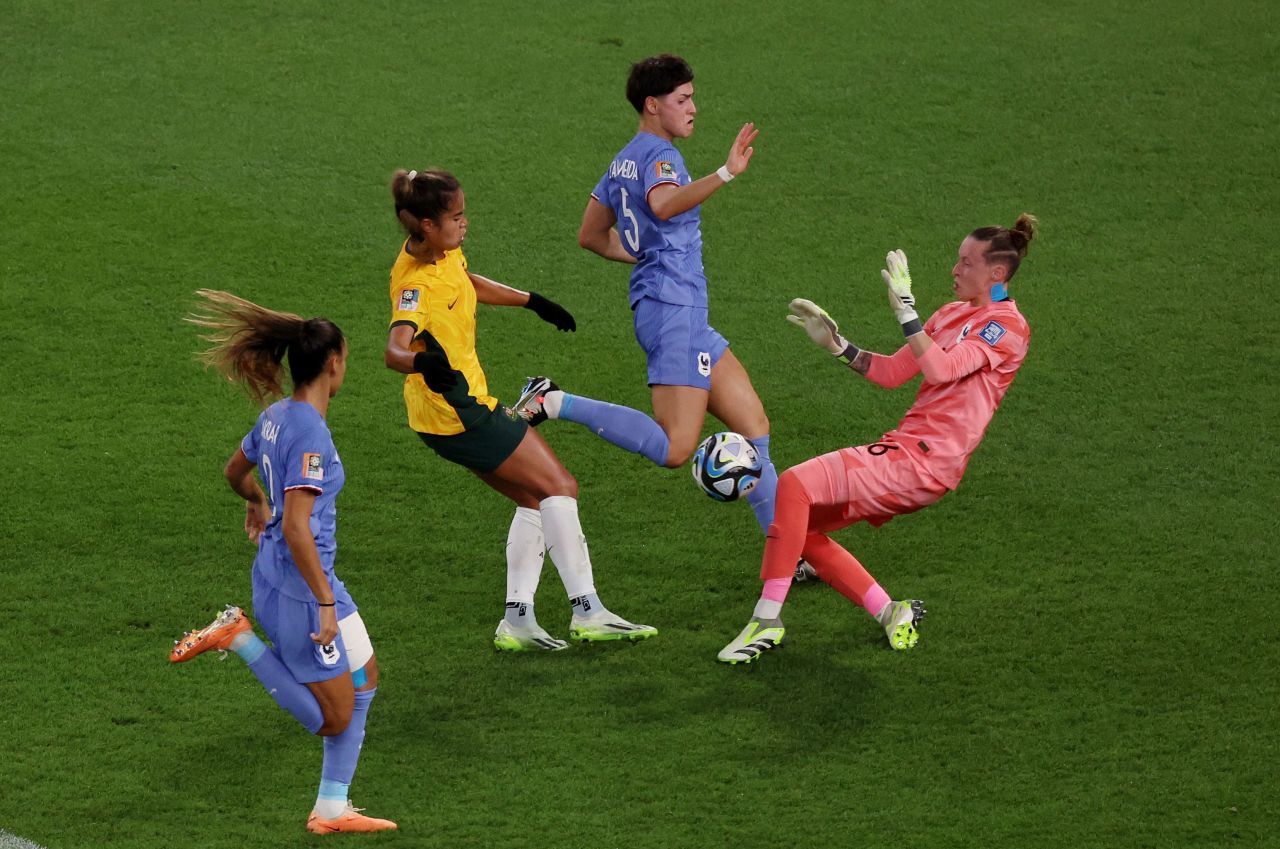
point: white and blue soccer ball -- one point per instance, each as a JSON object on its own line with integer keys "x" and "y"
{"x": 726, "y": 466}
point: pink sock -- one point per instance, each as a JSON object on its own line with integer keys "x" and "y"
{"x": 774, "y": 594}
{"x": 875, "y": 599}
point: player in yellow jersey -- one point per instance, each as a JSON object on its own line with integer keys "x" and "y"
{"x": 432, "y": 341}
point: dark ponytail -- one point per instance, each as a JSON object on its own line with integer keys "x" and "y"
{"x": 249, "y": 344}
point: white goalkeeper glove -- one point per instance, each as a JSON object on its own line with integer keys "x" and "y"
{"x": 898, "y": 279}
{"x": 821, "y": 328}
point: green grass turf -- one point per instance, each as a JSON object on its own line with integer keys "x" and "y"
{"x": 1095, "y": 671}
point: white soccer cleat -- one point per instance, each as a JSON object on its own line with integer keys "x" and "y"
{"x": 607, "y": 626}
{"x": 760, "y": 636}
{"x": 510, "y": 638}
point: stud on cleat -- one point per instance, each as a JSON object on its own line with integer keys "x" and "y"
{"x": 901, "y": 623}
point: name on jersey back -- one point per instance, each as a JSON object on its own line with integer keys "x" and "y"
{"x": 625, "y": 168}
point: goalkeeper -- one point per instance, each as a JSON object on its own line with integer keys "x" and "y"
{"x": 968, "y": 353}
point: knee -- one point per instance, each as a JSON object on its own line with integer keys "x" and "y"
{"x": 679, "y": 452}
{"x": 563, "y": 484}
{"x": 334, "y": 725}
{"x": 790, "y": 485}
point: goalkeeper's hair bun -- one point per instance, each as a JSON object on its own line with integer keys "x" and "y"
{"x": 422, "y": 196}
{"x": 1008, "y": 245}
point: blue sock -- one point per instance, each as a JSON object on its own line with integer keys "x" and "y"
{"x": 626, "y": 428}
{"x": 342, "y": 751}
{"x": 278, "y": 681}
{"x": 761, "y": 497}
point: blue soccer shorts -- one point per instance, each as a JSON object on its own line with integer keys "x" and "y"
{"x": 289, "y": 624}
{"x": 681, "y": 347}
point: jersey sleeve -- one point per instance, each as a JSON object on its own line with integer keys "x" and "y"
{"x": 1001, "y": 339}
{"x": 409, "y": 304}
{"x": 894, "y": 370}
{"x": 601, "y": 191}
{"x": 250, "y": 444}
{"x": 307, "y": 458}
{"x": 663, "y": 165}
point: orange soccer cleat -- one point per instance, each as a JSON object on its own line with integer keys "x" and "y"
{"x": 218, "y": 634}
{"x": 350, "y": 821}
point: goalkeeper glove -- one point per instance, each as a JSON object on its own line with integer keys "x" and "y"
{"x": 898, "y": 279}
{"x": 822, "y": 329}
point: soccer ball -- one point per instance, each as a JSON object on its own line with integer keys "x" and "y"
{"x": 726, "y": 466}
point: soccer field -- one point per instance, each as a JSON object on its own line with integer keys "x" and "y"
{"x": 1095, "y": 669}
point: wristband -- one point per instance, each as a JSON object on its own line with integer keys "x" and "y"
{"x": 723, "y": 173}
{"x": 850, "y": 351}
{"x": 912, "y": 327}
{"x": 330, "y": 604}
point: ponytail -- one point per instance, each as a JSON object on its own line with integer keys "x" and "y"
{"x": 249, "y": 344}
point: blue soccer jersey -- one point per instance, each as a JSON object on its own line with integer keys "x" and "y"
{"x": 668, "y": 253}
{"x": 293, "y": 449}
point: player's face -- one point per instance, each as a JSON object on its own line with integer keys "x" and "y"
{"x": 676, "y": 111}
{"x": 450, "y": 229}
{"x": 973, "y": 275}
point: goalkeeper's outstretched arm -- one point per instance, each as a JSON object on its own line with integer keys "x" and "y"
{"x": 888, "y": 372}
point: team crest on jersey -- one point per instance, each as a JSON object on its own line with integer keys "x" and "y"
{"x": 665, "y": 170}
{"x": 992, "y": 333}
{"x": 409, "y": 300}
{"x": 312, "y": 468}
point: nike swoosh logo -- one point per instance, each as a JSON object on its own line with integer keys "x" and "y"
{"x": 455, "y": 300}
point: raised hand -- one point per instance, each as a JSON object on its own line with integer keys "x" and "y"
{"x": 898, "y": 280}
{"x": 741, "y": 151}
{"x": 821, "y": 327}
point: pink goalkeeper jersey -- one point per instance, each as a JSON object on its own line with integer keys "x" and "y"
{"x": 976, "y": 352}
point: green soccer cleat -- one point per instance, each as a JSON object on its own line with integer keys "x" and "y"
{"x": 901, "y": 620}
{"x": 510, "y": 638}
{"x": 758, "y": 637}
{"x": 607, "y": 626}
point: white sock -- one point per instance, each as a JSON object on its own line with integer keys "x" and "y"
{"x": 767, "y": 609}
{"x": 566, "y": 544}
{"x": 525, "y": 547}
{"x": 551, "y": 403}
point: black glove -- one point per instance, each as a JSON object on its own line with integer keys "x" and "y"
{"x": 551, "y": 312}
{"x": 435, "y": 370}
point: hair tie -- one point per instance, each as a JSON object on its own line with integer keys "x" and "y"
{"x": 413, "y": 175}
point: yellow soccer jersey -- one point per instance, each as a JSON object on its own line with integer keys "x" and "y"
{"x": 438, "y": 299}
